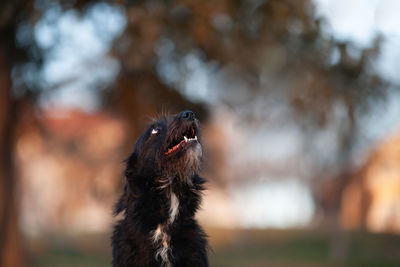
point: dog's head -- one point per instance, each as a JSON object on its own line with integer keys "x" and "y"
{"x": 169, "y": 148}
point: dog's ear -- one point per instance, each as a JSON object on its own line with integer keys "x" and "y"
{"x": 132, "y": 187}
{"x": 131, "y": 164}
{"x": 120, "y": 206}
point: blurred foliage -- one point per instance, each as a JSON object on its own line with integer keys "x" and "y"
{"x": 273, "y": 49}
{"x": 278, "y": 40}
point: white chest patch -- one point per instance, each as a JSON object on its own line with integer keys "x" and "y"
{"x": 161, "y": 239}
{"x": 174, "y": 208}
{"x": 160, "y": 236}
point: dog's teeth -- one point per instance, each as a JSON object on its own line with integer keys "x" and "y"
{"x": 185, "y": 138}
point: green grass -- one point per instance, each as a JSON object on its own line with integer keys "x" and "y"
{"x": 244, "y": 248}
{"x": 69, "y": 257}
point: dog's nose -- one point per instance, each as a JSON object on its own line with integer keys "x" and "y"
{"x": 187, "y": 114}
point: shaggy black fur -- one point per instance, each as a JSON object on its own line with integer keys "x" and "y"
{"x": 161, "y": 196}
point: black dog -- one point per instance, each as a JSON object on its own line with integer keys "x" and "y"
{"x": 161, "y": 196}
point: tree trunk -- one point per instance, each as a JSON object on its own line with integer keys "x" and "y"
{"x": 10, "y": 238}
{"x": 340, "y": 240}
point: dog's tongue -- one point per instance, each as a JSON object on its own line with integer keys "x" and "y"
{"x": 170, "y": 150}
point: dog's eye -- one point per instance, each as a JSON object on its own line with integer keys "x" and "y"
{"x": 155, "y": 131}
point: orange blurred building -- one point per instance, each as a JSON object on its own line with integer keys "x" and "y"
{"x": 372, "y": 199}
{"x": 70, "y": 168}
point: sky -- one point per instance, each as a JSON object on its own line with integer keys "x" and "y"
{"x": 77, "y": 44}
{"x": 360, "y": 21}
{"x": 77, "y": 63}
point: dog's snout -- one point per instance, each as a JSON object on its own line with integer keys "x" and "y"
{"x": 188, "y": 114}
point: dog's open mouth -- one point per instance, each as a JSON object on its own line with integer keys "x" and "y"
{"x": 179, "y": 143}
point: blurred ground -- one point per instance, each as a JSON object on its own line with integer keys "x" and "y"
{"x": 231, "y": 248}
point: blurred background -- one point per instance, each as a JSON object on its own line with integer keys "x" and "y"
{"x": 299, "y": 103}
